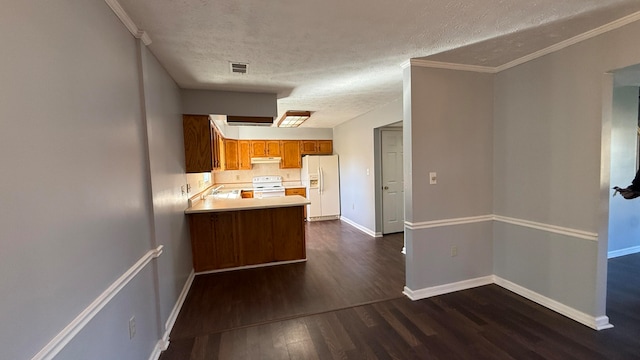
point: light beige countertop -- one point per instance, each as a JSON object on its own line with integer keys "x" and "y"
{"x": 249, "y": 186}
{"x": 219, "y": 205}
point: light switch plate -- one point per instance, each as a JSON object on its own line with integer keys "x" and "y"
{"x": 433, "y": 178}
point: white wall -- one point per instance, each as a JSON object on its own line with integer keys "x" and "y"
{"x": 76, "y": 209}
{"x": 353, "y": 141}
{"x": 624, "y": 215}
{"x": 448, "y": 116}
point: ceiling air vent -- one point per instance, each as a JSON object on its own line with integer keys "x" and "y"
{"x": 239, "y": 68}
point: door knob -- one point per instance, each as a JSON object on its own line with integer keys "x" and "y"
{"x": 386, "y": 188}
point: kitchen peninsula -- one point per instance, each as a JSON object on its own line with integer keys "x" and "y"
{"x": 238, "y": 233}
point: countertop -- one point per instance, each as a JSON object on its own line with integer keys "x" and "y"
{"x": 249, "y": 186}
{"x": 219, "y": 205}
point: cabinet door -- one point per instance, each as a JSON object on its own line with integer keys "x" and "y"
{"x": 325, "y": 147}
{"x": 255, "y": 229}
{"x": 288, "y": 236}
{"x": 291, "y": 158}
{"x": 308, "y": 147}
{"x": 214, "y": 243}
{"x": 258, "y": 148}
{"x": 231, "y": 154}
{"x": 225, "y": 241}
{"x": 198, "y": 143}
{"x": 273, "y": 147}
{"x": 215, "y": 148}
{"x": 244, "y": 155}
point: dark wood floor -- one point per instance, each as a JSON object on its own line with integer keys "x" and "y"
{"x": 346, "y": 303}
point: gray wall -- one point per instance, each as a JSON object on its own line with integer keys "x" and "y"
{"x": 624, "y": 216}
{"x": 547, "y": 167}
{"x": 76, "y": 209}
{"x": 353, "y": 141}
{"x": 449, "y": 118}
{"x": 167, "y": 173}
{"x": 229, "y": 103}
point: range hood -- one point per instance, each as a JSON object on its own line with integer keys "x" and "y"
{"x": 265, "y": 160}
{"x": 249, "y": 120}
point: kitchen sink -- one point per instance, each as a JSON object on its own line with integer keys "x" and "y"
{"x": 225, "y": 194}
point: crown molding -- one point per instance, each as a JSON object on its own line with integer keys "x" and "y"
{"x": 616, "y": 24}
{"x": 452, "y": 66}
{"x": 126, "y": 20}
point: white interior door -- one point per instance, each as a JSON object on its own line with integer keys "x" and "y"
{"x": 392, "y": 182}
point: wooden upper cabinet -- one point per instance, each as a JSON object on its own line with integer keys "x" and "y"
{"x": 265, "y": 148}
{"x": 325, "y": 147}
{"x": 231, "y": 155}
{"x": 291, "y": 157}
{"x": 244, "y": 155}
{"x": 273, "y": 148}
{"x": 316, "y": 147}
{"x": 258, "y": 148}
{"x": 199, "y": 146}
{"x": 308, "y": 147}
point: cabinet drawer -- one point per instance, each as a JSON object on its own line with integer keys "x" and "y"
{"x": 295, "y": 191}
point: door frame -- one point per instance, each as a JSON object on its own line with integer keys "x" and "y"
{"x": 377, "y": 169}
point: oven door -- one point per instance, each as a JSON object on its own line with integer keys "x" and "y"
{"x": 267, "y": 193}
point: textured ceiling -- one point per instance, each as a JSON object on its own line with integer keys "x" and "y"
{"x": 341, "y": 59}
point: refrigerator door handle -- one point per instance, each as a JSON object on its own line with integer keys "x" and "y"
{"x": 321, "y": 181}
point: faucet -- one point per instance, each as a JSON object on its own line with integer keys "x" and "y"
{"x": 213, "y": 192}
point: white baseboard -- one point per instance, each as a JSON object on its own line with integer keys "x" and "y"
{"x": 360, "y": 227}
{"x": 447, "y": 288}
{"x": 163, "y": 343}
{"x": 168, "y": 326}
{"x": 158, "y": 349}
{"x": 597, "y": 323}
{"x": 623, "y": 252}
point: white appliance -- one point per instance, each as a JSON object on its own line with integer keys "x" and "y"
{"x": 267, "y": 186}
{"x": 320, "y": 175}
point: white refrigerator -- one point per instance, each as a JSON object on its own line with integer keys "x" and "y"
{"x": 321, "y": 177}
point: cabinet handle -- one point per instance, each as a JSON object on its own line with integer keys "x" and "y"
{"x": 386, "y": 188}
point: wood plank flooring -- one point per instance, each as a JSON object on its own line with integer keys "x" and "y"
{"x": 345, "y": 303}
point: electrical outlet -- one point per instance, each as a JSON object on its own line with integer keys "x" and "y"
{"x": 182, "y": 189}
{"x": 132, "y": 327}
{"x": 454, "y": 251}
{"x": 433, "y": 178}
{"x": 237, "y": 177}
{"x": 353, "y": 206}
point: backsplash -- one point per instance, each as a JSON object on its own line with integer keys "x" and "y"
{"x": 246, "y": 176}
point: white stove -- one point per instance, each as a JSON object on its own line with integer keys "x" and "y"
{"x": 267, "y": 186}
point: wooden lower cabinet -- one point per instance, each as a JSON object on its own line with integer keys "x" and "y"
{"x": 247, "y": 237}
{"x": 297, "y": 191}
{"x": 220, "y": 254}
